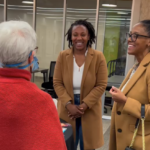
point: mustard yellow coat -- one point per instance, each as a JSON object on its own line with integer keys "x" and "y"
{"x": 93, "y": 85}
{"x": 124, "y": 116}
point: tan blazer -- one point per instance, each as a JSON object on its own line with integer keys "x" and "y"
{"x": 93, "y": 85}
{"x": 124, "y": 116}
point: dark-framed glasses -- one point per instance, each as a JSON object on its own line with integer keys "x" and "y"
{"x": 134, "y": 36}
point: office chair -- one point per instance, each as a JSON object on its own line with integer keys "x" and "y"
{"x": 48, "y": 86}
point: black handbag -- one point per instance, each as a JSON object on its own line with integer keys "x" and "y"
{"x": 136, "y": 129}
{"x": 129, "y": 148}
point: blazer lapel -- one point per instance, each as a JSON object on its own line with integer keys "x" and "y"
{"x": 140, "y": 70}
{"x": 134, "y": 78}
{"x": 69, "y": 58}
{"x": 87, "y": 63}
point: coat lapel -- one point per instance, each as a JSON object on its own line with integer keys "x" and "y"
{"x": 88, "y": 60}
{"x": 134, "y": 78}
{"x": 141, "y": 69}
{"x": 69, "y": 58}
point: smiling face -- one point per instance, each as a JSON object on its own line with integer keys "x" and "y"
{"x": 80, "y": 37}
{"x": 141, "y": 45}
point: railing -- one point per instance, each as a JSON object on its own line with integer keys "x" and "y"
{"x": 116, "y": 67}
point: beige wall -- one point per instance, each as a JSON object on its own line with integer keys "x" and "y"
{"x": 1, "y": 14}
{"x": 145, "y": 9}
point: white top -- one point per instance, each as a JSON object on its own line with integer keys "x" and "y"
{"x": 77, "y": 76}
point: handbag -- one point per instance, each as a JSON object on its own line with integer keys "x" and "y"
{"x": 142, "y": 120}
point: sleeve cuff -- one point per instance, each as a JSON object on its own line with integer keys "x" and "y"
{"x": 132, "y": 107}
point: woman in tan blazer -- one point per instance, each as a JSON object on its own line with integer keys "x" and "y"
{"x": 134, "y": 91}
{"x": 80, "y": 79}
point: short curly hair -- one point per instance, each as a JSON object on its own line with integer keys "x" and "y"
{"x": 89, "y": 27}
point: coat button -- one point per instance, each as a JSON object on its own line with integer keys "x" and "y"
{"x": 118, "y": 112}
{"x": 119, "y": 130}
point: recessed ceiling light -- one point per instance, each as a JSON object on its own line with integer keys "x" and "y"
{"x": 109, "y": 5}
{"x": 27, "y": 2}
{"x": 122, "y": 13}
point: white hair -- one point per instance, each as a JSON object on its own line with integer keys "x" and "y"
{"x": 17, "y": 40}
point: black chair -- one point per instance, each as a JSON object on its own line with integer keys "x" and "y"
{"x": 48, "y": 86}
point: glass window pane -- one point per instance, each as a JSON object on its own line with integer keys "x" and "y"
{"x": 111, "y": 40}
{"x": 17, "y": 10}
{"x": 77, "y": 10}
{"x": 49, "y": 27}
{"x": 1, "y": 10}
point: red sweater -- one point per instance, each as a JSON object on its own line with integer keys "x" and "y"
{"x": 28, "y": 117}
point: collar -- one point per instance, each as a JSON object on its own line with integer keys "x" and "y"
{"x": 15, "y": 73}
{"x": 146, "y": 60}
{"x": 88, "y": 52}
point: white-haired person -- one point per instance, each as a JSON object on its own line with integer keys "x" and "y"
{"x": 28, "y": 117}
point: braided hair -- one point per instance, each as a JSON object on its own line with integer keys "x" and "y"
{"x": 89, "y": 27}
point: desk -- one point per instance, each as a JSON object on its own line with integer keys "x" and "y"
{"x": 42, "y": 71}
{"x": 68, "y": 135}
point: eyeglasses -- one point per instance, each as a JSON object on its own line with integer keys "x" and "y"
{"x": 134, "y": 36}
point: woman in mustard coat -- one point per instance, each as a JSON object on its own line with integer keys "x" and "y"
{"x": 133, "y": 92}
{"x": 80, "y": 79}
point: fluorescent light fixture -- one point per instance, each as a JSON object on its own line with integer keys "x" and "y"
{"x": 109, "y": 5}
{"x": 27, "y": 2}
{"x": 122, "y": 13}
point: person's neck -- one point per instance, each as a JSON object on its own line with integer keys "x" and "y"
{"x": 141, "y": 56}
{"x": 79, "y": 52}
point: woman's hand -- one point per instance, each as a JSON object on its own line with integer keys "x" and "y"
{"x": 74, "y": 110}
{"x": 73, "y": 117}
{"x": 83, "y": 107}
{"x": 117, "y": 95}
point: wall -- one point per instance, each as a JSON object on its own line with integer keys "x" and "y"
{"x": 49, "y": 35}
{"x": 19, "y": 15}
{"x": 2, "y": 14}
{"x": 145, "y": 9}
{"x": 101, "y": 31}
{"x": 49, "y": 24}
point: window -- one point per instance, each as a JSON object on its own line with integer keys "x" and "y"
{"x": 49, "y": 27}
{"x": 16, "y": 10}
{"x": 77, "y": 10}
